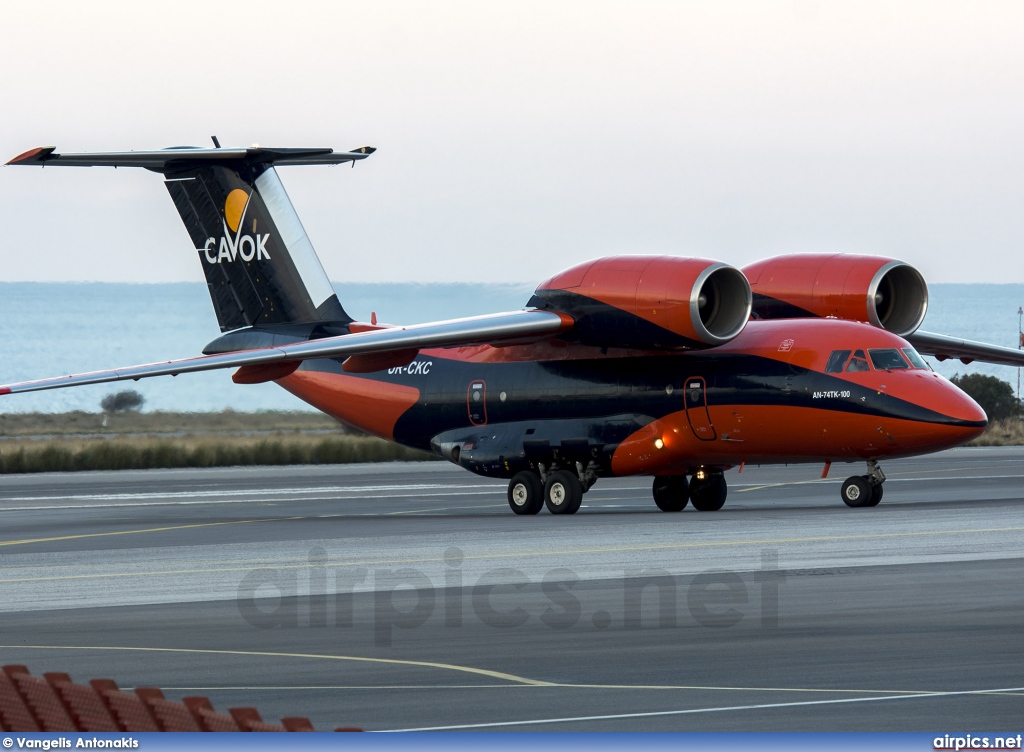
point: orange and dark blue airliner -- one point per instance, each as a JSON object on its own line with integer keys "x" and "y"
{"x": 669, "y": 367}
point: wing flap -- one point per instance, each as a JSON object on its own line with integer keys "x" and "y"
{"x": 371, "y": 362}
{"x": 496, "y": 328}
{"x": 266, "y": 372}
{"x": 945, "y": 347}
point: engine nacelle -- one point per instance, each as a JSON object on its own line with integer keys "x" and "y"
{"x": 887, "y": 293}
{"x": 645, "y": 302}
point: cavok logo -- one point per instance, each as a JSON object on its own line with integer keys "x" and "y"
{"x": 233, "y": 244}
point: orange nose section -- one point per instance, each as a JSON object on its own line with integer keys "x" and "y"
{"x": 952, "y": 418}
{"x": 965, "y": 420}
{"x": 969, "y": 430}
{"x": 973, "y": 419}
{"x": 958, "y": 405}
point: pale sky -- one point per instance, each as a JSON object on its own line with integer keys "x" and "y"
{"x": 516, "y": 139}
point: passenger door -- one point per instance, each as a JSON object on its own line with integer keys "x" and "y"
{"x": 476, "y": 403}
{"x": 696, "y": 397}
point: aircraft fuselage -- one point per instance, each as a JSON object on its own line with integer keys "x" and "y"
{"x": 763, "y": 398}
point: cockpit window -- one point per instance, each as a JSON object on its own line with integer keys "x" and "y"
{"x": 837, "y": 360}
{"x": 887, "y": 360}
{"x": 858, "y": 362}
{"x": 915, "y": 360}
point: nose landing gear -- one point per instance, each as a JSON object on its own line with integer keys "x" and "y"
{"x": 671, "y": 492}
{"x": 706, "y": 491}
{"x": 708, "y": 494}
{"x": 864, "y": 490}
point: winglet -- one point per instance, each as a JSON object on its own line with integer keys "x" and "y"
{"x": 34, "y": 156}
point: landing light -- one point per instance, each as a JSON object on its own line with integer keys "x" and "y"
{"x": 699, "y": 475}
{"x": 658, "y": 443}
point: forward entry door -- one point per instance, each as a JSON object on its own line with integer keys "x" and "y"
{"x": 697, "y": 409}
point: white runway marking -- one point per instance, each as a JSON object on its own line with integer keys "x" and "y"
{"x": 330, "y": 493}
{"x": 241, "y": 500}
{"x": 253, "y": 492}
{"x": 689, "y": 711}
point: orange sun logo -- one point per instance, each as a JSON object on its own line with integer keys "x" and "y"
{"x": 234, "y": 206}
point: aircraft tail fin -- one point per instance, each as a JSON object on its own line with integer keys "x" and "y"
{"x": 260, "y": 266}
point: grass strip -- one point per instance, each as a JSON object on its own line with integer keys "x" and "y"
{"x": 69, "y": 455}
{"x": 1002, "y": 433}
{"x": 159, "y": 422}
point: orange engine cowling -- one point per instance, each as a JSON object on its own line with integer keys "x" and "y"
{"x": 650, "y": 302}
{"x": 881, "y": 291}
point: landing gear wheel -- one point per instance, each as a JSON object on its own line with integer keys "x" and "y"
{"x": 708, "y": 495}
{"x": 526, "y": 493}
{"x": 563, "y": 493}
{"x": 671, "y": 492}
{"x": 876, "y": 495}
{"x": 856, "y": 492}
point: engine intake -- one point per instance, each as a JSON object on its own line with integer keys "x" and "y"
{"x": 884, "y": 292}
{"x": 898, "y": 298}
{"x": 651, "y": 301}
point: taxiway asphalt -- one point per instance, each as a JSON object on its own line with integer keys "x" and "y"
{"x": 408, "y": 596}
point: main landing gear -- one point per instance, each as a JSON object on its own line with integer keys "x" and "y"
{"x": 561, "y": 491}
{"x": 864, "y": 490}
{"x": 706, "y": 490}
{"x": 526, "y": 493}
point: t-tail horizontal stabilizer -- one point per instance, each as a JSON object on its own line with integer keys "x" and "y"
{"x": 260, "y": 265}
{"x": 168, "y": 160}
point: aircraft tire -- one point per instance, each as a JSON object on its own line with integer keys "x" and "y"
{"x": 671, "y": 492}
{"x": 856, "y": 492}
{"x": 708, "y": 495}
{"x": 578, "y": 503}
{"x": 563, "y": 493}
{"x": 876, "y": 495}
{"x": 526, "y": 493}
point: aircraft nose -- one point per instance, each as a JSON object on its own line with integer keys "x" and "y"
{"x": 955, "y": 418}
{"x": 965, "y": 414}
{"x": 963, "y": 408}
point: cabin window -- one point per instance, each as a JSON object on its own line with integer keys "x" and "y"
{"x": 887, "y": 360}
{"x": 859, "y": 362}
{"x": 915, "y": 360}
{"x": 837, "y": 360}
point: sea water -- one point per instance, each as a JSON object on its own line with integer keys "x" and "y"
{"x": 54, "y": 329}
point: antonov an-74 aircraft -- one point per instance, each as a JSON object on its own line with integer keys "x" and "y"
{"x": 671, "y": 367}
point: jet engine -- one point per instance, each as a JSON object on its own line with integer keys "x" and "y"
{"x": 887, "y": 293}
{"x": 650, "y": 302}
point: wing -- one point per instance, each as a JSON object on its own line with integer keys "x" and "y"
{"x": 967, "y": 351}
{"x": 495, "y": 329}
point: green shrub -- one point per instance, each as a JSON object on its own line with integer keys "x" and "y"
{"x": 995, "y": 396}
{"x": 124, "y": 401}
